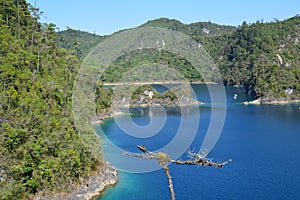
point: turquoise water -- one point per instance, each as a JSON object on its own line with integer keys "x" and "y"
{"x": 262, "y": 140}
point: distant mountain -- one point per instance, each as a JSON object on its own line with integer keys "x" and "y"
{"x": 262, "y": 57}
{"x": 199, "y": 28}
{"x": 82, "y": 42}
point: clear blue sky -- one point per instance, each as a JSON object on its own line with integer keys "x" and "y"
{"x": 108, "y": 16}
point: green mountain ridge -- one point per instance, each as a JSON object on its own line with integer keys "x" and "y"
{"x": 262, "y": 57}
{"x": 199, "y": 28}
{"x": 82, "y": 42}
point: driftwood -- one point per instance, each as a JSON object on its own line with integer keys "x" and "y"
{"x": 164, "y": 159}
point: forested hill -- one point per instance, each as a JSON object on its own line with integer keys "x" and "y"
{"x": 40, "y": 150}
{"x": 83, "y": 42}
{"x": 200, "y": 28}
{"x": 80, "y": 42}
{"x": 265, "y": 58}
{"x": 262, "y": 57}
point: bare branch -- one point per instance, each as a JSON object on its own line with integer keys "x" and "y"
{"x": 196, "y": 156}
{"x": 199, "y": 159}
{"x": 149, "y": 157}
{"x": 164, "y": 159}
{"x": 144, "y": 149}
{"x": 202, "y": 162}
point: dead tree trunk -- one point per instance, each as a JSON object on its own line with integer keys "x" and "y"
{"x": 172, "y": 193}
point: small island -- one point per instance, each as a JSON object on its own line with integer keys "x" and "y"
{"x": 146, "y": 95}
{"x": 142, "y": 96}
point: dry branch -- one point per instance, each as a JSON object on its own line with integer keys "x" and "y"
{"x": 163, "y": 159}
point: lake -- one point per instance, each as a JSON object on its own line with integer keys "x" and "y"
{"x": 263, "y": 142}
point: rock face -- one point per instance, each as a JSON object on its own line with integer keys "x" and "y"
{"x": 90, "y": 188}
{"x": 3, "y": 175}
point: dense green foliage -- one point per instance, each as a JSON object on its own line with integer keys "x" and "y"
{"x": 264, "y": 57}
{"x": 142, "y": 57}
{"x": 40, "y": 149}
{"x": 103, "y": 98}
{"x": 80, "y": 42}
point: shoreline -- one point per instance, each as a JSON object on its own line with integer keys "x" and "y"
{"x": 90, "y": 188}
{"x": 272, "y": 102}
{"x": 156, "y": 83}
{"x": 172, "y": 104}
{"x": 105, "y": 115}
{"x": 110, "y": 114}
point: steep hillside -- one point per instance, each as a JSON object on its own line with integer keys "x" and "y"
{"x": 40, "y": 149}
{"x": 265, "y": 58}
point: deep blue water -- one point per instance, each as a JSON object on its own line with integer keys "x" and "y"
{"x": 262, "y": 140}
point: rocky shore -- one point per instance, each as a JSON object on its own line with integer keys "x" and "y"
{"x": 146, "y": 103}
{"x": 89, "y": 188}
{"x": 272, "y": 101}
{"x": 158, "y": 102}
{"x": 100, "y": 117}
